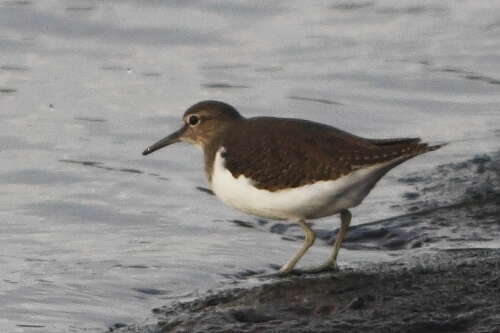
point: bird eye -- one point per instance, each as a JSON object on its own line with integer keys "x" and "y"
{"x": 193, "y": 120}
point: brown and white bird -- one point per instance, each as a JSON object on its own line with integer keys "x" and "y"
{"x": 289, "y": 169}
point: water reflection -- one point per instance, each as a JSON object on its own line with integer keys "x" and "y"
{"x": 222, "y": 85}
{"x": 316, "y": 100}
{"x": 100, "y": 165}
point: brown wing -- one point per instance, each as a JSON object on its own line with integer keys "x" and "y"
{"x": 284, "y": 153}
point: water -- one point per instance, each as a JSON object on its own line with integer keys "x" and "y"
{"x": 93, "y": 233}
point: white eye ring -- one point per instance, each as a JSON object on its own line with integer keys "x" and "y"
{"x": 193, "y": 120}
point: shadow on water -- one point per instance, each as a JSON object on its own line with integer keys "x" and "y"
{"x": 224, "y": 66}
{"x": 316, "y": 100}
{"x": 151, "y": 74}
{"x": 205, "y": 190}
{"x": 94, "y": 120}
{"x": 8, "y": 91}
{"x": 350, "y": 6}
{"x": 151, "y": 291}
{"x": 412, "y": 10}
{"x": 14, "y": 68}
{"x": 246, "y": 273}
{"x": 222, "y": 85}
{"x": 100, "y": 165}
{"x": 468, "y": 75}
{"x": 80, "y": 9}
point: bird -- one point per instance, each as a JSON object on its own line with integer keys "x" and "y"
{"x": 289, "y": 169}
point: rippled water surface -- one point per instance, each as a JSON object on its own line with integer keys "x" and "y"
{"x": 94, "y": 234}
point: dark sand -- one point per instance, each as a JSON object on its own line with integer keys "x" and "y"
{"x": 436, "y": 290}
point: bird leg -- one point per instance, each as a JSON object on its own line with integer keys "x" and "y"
{"x": 331, "y": 263}
{"x": 345, "y": 221}
{"x": 309, "y": 239}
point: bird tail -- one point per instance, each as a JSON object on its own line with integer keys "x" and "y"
{"x": 435, "y": 147}
{"x": 423, "y": 148}
{"x": 412, "y": 145}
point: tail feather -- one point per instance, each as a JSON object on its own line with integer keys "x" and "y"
{"x": 392, "y": 142}
{"x": 413, "y": 146}
{"x": 436, "y": 147}
{"x": 396, "y": 150}
{"x": 423, "y": 148}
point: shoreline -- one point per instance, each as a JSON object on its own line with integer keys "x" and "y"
{"x": 446, "y": 280}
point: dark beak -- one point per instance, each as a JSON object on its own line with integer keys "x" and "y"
{"x": 172, "y": 138}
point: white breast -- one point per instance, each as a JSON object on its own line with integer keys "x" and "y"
{"x": 323, "y": 198}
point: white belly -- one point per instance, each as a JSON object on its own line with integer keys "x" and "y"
{"x": 323, "y": 198}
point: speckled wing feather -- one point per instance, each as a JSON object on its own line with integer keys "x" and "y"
{"x": 304, "y": 152}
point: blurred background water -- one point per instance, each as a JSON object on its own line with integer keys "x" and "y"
{"x": 92, "y": 233}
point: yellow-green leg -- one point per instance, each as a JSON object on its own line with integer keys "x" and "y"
{"x": 309, "y": 239}
{"x": 345, "y": 221}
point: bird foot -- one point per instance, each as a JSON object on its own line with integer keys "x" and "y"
{"x": 286, "y": 272}
{"x": 326, "y": 267}
{"x": 281, "y": 273}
